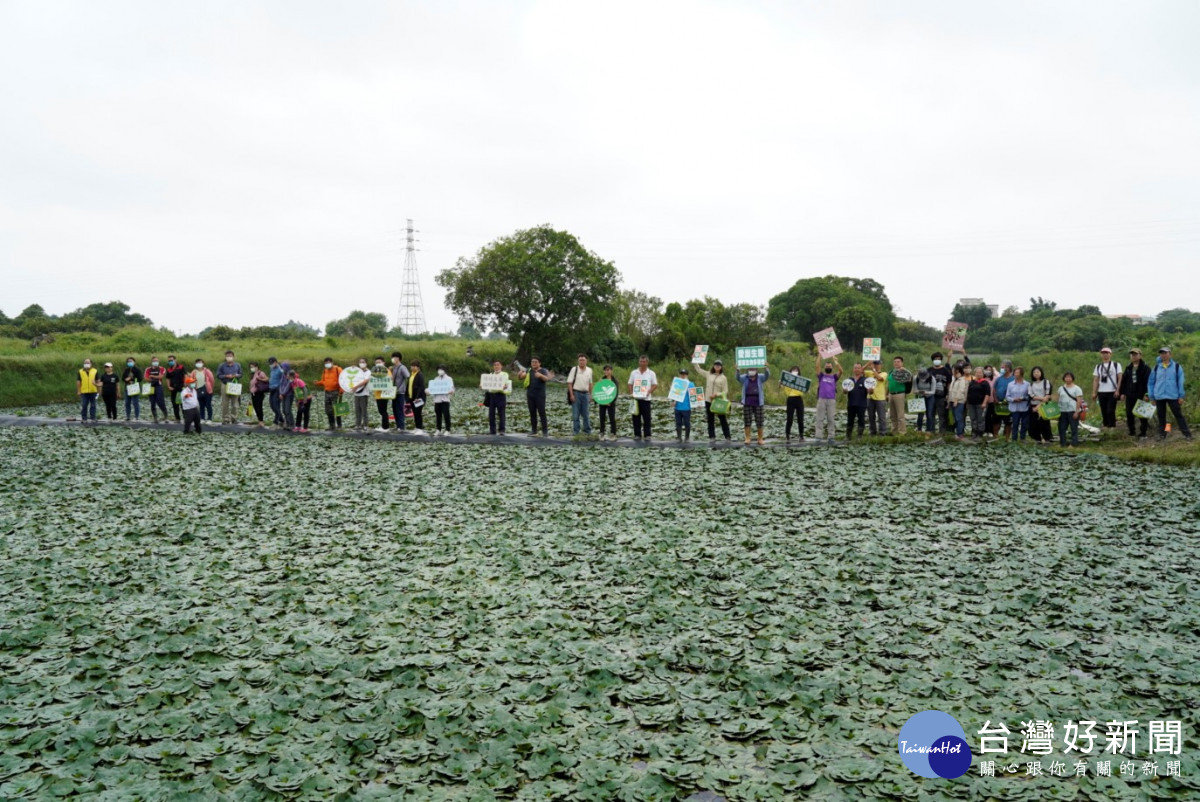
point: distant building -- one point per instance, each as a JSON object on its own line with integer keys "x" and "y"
{"x": 1137, "y": 320}
{"x": 993, "y": 308}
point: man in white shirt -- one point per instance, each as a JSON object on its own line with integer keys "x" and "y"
{"x": 579, "y": 392}
{"x": 642, "y": 384}
{"x": 1106, "y": 382}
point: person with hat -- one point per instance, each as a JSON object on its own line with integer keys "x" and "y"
{"x": 1106, "y": 383}
{"x": 754, "y": 399}
{"x": 716, "y": 385}
{"x": 683, "y": 410}
{"x": 877, "y": 397}
{"x": 1134, "y": 383}
{"x": 110, "y": 384}
{"x": 85, "y": 388}
{"x": 1165, "y": 389}
{"x": 190, "y": 402}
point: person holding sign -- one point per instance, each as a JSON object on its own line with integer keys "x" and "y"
{"x": 754, "y": 399}
{"x": 131, "y": 377}
{"x": 795, "y": 407}
{"x": 442, "y": 388}
{"x": 380, "y": 375}
{"x": 535, "y": 393}
{"x": 606, "y": 401}
{"x": 496, "y": 400}
{"x": 683, "y": 408}
{"x": 229, "y": 373}
{"x": 579, "y": 392}
{"x": 856, "y": 401}
{"x": 416, "y": 394}
{"x": 827, "y": 386}
{"x": 716, "y": 386}
{"x": 642, "y": 384}
{"x": 360, "y": 385}
{"x": 877, "y": 398}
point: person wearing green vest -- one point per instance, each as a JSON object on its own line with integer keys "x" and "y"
{"x": 497, "y": 400}
{"x": 899, "y": 385}
{"x": 86, "y": 389}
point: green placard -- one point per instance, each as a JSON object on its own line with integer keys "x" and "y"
{"x": 605, "y": 392}
{"x": 794, "y": 382}
{"x": 379, "y": 382}
{"x": 752, "y": 356}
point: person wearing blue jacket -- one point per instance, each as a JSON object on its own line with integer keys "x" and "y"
{"x": 1165, "y": 389}
{"x": 273, "y": 381}
{"x": 754, "y": 398}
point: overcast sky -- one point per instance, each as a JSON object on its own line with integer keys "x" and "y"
{"x": 246, "y": 163}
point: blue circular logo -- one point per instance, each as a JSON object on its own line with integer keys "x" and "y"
{"x": 933, "y": 744}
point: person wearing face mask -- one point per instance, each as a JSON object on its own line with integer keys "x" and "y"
{"x": 441, "y": 401}
{"x": 86, "y": 389}
{"x": 1004, "y": 377}
{"x": 416, "y": 396}
{"x": 1134, "y": 382}
{"x": 276, "y": 378}
{"x": 260, "y": 385}
{"x": 131, "y": 378}
{"x": 228, "y": 373}
{"x": 331, "y": 376}
{"x": 754, "y": 399}
{"x": 923, "y": 389}
{"x": 795, "y": 407}
{"x": 856, "y": 402}
{"x": 380, "y": 370}
{"x": 110, "y": 391}
{"x": 204, "y": 390}
{"x": 400, "y": 375}
{"x": 899, "y": 385}
{"x": 979, "y": 392}
{"x": 190, "y": 402}
{"x": 942, "y": 376}
{"x": 174, "y": 377}
{"x": 535, "y": 393}
{"x": 360, "y": 386}
{"x": 155, "y": 374}
{"x": 287, "y": 396}
{"x": 827, "y": 387}
{"x": 716, "y": 385}
{"x": 877, "y": 399}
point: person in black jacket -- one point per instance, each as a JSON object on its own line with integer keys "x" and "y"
{"x": 416, "y": 395}
{"x": 1134, "y": 382}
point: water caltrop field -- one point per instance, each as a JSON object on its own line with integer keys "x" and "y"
{"x": 230, "y": 617}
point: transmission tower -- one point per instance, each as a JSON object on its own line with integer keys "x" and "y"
{"x": 410, "y": 319}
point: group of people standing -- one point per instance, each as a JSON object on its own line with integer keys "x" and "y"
{"x": 997, "y": 401}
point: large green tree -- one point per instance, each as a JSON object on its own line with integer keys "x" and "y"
{"x": 709, "y": 322}
{"x": 549, "y": 294}
{"x": 359, "y": 325}
{"x": 974, "y": 316}
{"x": 856, "y": 308}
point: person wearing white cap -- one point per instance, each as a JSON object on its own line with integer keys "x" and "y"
{"x": 1165, "y": 389}
{"x": 1106, "y": 383}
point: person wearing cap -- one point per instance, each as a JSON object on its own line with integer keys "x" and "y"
{"x": 1134, "y": 382}
{"x": 1165, "y": 389}
{"x": 754, "y": 399}
{"x": 276, "y": 378}
{"x": 230, "y": 372}
{"x": 190, "y": 402}
{"x": 716, "y": 385}
{"x": 683, "y": 410}
{"x": 877, "y": 398}
{"x": 1106, "y": 383}
{"x": 110, "y": 391}
{"x": 579, "y": 393}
